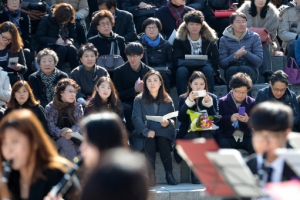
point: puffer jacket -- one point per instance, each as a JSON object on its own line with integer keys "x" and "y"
{"x": 229, "y": 44}
{"x": 160, "y": 55}
{"x": 80, "y": 6}
{"x": 289, "y": 25}
{"x": 182, "y": 46}
{"x": 270, "y": 22}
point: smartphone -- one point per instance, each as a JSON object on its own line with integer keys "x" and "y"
{"x": 242, "y": 111}
{"x": 235, "y": 4}
{"x": 200, "y": 93}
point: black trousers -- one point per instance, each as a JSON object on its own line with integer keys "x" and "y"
{"x": 163, "y": 146}
{"x": 65, "y": 54}
{"x": 127, "y": 110}
{"x": 230, "y": 143}
{"x": 29, "y": 58}
{"x": 80, "y": 31}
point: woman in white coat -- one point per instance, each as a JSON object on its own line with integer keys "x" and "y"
{"x": 5, "y": 91}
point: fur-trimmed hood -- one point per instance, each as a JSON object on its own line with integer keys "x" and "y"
{"x": 206, "y": 32}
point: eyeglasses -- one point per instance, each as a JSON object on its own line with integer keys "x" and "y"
{"x": 13, "y": 0}
{"x": 133, "y": 56}
{"x": 108, "y": 24}
{"x": 272, "y": 136}
{"x": 239, "y": 92}
{"x": 5, "y": 39}
{"x": 278, "y": 90}
{"x": 71, "y": 91}
{"x": 151, "y": 28}
{"x": 241, "y": 22}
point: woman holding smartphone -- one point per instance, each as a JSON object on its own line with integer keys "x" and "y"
{"x": 11, "y": 52}
{"x": 234, "y": 108}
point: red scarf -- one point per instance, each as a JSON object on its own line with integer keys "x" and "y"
{"x": 176, "y": 13}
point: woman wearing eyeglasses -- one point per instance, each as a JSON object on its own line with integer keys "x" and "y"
{"x": 63, "y": 115}
{"x": 11, "y": 52}
{"x": 234, "y": 132}
{"x": 107, "y": 42}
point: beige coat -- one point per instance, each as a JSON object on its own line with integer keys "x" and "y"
{"x": 80, "y": 6}
{"x": 270, "y": 22}
{"x": 289, "y": 25}
{"x": 5, "y": 88}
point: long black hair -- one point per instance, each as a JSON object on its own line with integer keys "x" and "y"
{"x": 263, "y": 12}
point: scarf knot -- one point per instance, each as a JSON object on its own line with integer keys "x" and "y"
{"x": 150, "y": 42}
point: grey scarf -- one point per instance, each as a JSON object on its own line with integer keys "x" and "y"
{"x": 48, "y": 82}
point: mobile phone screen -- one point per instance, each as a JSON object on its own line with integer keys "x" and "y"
{"x": 242, "y": 111}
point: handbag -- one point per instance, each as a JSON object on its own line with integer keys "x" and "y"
{"x": 292, "y": 70}
{"x": 193, "y": 65}
{"x": 144, "y": 12}
{"x": 264, "y": 34}
{"x": 223, "y": 13}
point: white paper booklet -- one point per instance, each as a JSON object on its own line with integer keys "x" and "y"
{"x": 77, "y": 135}
{"x": 162, "y": 118}
{"x": 13, "y": 61}
{"x": 196, "y": 57}
{"x": 172, "y": 37}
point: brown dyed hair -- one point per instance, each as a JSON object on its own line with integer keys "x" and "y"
{"x": 162, "y": 96}
{"x": 16, "y": 43}
{"x": 42, "y": 149}
{"x": 64, "y": 12}
{"x": 113, "y": 99}
{"x": 101, "y": 15}
{"x": 31, "y": 101}
{"x": 195, "y": 75}
{"x": 62, "y": 84}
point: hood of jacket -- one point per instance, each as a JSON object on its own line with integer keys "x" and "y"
{"x": 228, "y": 32}
{"x": 206, "y": 32}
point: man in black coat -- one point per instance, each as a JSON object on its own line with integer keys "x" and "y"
{"x": 124, "y": 25}
{"x": 128, "y": 79}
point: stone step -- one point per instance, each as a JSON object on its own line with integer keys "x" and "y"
{"x": 182, "y": 191}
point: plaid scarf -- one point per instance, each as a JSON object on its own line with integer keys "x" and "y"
{"x": 176, "y": 13}
{"x": 14, "y": 17}
{"x": 48, "y": 82}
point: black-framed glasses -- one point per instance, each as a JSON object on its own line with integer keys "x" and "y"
{"x": 5, "y": 39}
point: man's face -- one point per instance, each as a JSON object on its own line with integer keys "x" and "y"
{"x": 104, "y": 7}
{"x": 278, "y": 89}
{"x": 267, "y": 141}
{"x": 239, "y": 24}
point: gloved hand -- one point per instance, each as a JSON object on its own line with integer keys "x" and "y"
{"x": 41, "y": 6}
{"x": 81, "y": 101}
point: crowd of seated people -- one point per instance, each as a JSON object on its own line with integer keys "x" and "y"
{"x": 152, "y": 65}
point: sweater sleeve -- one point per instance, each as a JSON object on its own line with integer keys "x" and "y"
{"x": 284, "y": 28}
{"x": 78, "y": 115}
{"x": 83, "y": 11}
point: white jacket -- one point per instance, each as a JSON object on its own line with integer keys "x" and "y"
{"x": 5, "y": 88}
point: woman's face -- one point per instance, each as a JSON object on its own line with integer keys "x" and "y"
{"x": 153, "y": 83}
{"x": 104, "y": 90}
{"x": 179, "y": 2}
{"x": 89, "y": 153}
{"x": 22, "y": 95}
{"x": 16, "y": 147}
{"x": 260, "y": 3}
{"x": 88, "y": 59}
{"x": 197, "y": 84}
{"x": 13, "y": 5}
{"x": 69, "y": 94}
{"x": 105, "y": 26}
{"x": 194, "y": 28}
{"x": 240, "y": 93}
{"x": 47, "y": 64}
{"x": 152, "y": 31}
{"x": 6, "y": 38}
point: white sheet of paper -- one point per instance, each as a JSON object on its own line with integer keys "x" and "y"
{"x": 77, "y": 135}
{"x": 162, "y": 118}
{"x": 294, "y": 139}
{"x": 13, "y": 60}
{"x": 172, "y": 37}
{"x": 138, "y": 81}
{"x": 196, "y": 57}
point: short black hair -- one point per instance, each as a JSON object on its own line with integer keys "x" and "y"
{"x": 87, "y": 47}
{"x": 152, "y": 20}
{"x": 271, "y": 116}
{"x": 235, "y": 14}
{"x": 239, "y": 80}
{"x": 109, "y": 3}
{"x": 279, "y": 76}
{"x": 134, "y": 48}
{"x": 195, "y": 16}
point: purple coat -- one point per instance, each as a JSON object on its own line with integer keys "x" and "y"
{"x": 227, "y": 107}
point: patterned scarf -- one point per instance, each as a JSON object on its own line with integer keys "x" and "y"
{"x": 114, "y": 47}
{"x": 48, "y": 83}
{"x": 63, "y": 32}
{"x": 14, "y": 17}
{"x": 176, "y": 13}
{"x": 64, "y": 110}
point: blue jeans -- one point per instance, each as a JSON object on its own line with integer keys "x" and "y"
{"x": 183, "y": 75}
{"x": 244, "y": 69}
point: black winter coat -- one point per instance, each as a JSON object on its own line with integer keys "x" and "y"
{"x": 37, "y": 85}
{"x": 124, "y": 26}
{"x": 103, "y": 44}
{"x": 132, "y": 5}
{"x": 25, "y": 27}
{"x": 48, "y": 31}
{"x": 196, "y": 4}
{"x": 158, "y": 56}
